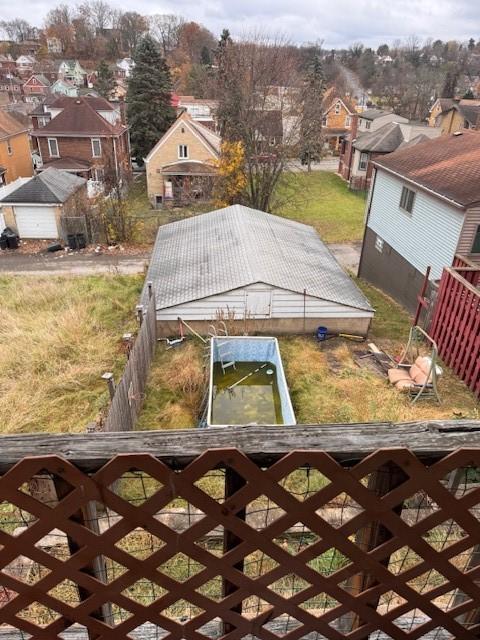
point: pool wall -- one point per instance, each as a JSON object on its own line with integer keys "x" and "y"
{"x": 252, "y": 349}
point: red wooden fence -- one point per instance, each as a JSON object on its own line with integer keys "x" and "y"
{"x": 456, "y": 321}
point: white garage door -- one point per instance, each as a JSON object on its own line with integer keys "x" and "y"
{"x": 36, "y": 222}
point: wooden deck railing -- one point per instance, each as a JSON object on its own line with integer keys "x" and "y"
{"x": 364, "y": 531}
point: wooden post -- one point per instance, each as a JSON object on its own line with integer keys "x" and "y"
{"x": 381, "y": 482}
{"x": 97, "y": 567}
{"x": 108, "y": 376}
{"x": 233, "y": 483}
{"x": 150, "y": 288}
{"x": 139, "y": 310}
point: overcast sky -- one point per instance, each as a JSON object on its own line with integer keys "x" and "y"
{"x": 337, "y": 22}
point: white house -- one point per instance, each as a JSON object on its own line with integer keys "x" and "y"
{"x": 264, "y": 273}
{"x": 64, "y": 88}
{"x": 423, "y": 208}
{"x": 373, "y": 119}
{"x": 126, "y": 65}
{"x": 25, "y": 64}
{"x": 72, "y": 71}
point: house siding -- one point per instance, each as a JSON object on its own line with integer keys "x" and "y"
{"x": 18, "y": 164}
{"x": 467, "y": 236}
{"x": 167, "y": 153}
{"x": 427, "y": 237}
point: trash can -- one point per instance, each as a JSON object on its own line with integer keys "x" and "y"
{"x": 322, "y": 333}
{"x": 81, "y": 240}
{"x": 3, "y": 242}
{"x": 11, "y": 237}
{"x": 72, "y": 241}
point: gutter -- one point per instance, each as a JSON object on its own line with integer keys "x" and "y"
{"x": 421, "y": 186}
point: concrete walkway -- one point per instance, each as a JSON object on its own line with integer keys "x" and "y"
{"x": 74, "y": 264}
{"x": 347, "y": 254}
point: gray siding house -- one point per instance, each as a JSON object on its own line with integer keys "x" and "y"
{"x": 423, "y": 209}
{"x": 266, "y": 274}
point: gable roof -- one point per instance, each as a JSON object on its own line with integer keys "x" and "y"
{"x": 373, "y": 114}
{"x": 40, "y": 78}
{"x": 10, "y": 126}
{"x": 332, "y": 96}
{"x": 383, "y": 140}
{"x": 237, "y": 246}
{"x": 208, "y": 137}
{"x": 79, "y": 117}
{"x": 444, "y": 103}
{"x": 448, "y": 165}
{"x": 49, "y": 187}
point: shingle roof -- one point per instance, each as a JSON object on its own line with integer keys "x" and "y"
{"x": 383, "y": 140}
{"x": 237, "y": 246}
{"x": 68, "y": 164}
{"x": 79, "y": 116}
{"x": 49, "y": 187}
{"x": 191, "y": 168}
{"x": 448, "y": 165}
{"x": 373, "y": 114}
{"x": 10, "y": 126}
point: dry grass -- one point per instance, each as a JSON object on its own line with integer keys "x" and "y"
{"x": 57, "y": 336}
{"x": 175, "y": 388}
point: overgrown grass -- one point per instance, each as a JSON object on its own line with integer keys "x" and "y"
{"x": 323, "y": 200}
{"x": 57, "y": 336}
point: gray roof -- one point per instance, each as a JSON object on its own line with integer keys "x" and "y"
{"x": 373, "y": 114}
{"x": 49, "y": 187}
{"x": 383, "y": 140}
{"x": 234, "y": 247}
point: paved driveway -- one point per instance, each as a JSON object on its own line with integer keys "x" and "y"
{"x": 61, "y": 263}
{"x": 347, "y": 254}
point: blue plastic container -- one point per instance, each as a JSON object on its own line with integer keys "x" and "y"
{"x": 322, "y": 333}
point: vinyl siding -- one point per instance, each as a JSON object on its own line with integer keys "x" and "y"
{"x": 470, "y": 226}
{"x": 427, "y": 236}
{"x": 285, "y": 304}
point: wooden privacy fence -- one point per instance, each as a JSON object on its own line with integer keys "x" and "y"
{"x": 294, "y": 532}
{"x": 127, "y": 397}
{"x": 455, "y": 325}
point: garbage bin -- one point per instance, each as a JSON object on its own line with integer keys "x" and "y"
{"x": 81, "y": 240}
{"x": 72, "y": 241}
{"x": 3, "y": 242}
{"x": 11, "y": 238}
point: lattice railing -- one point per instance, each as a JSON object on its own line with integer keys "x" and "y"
{"x": 305, "y": 544}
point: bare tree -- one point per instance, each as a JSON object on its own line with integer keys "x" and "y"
{"x": 165, "y": 29}
{"x": 132, "y": 27}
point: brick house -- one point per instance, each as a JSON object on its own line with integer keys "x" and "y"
{"x": 36, "y": 87}
{"x": 12, "y": 86}
{"x": 15, "y": 156}
{"x": 338, "y": 117}
{"x": 85, "y": 136}
{"x": 7, "y": 63}
{"x": 182, "y": 165}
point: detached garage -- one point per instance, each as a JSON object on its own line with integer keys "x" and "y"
{"x": 267, "y": 274}
{"x": 35, "y": 208}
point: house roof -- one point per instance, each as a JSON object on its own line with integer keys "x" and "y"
{"x": 189, "y": 168}
{"x": 40, "y": 78}
{"x": 237, "y": 246}
{"x": 373, "y": 114}
{"x": 471, "y": 112}
{"x": 447, "y": 165}
{"x": 68, "y": 164}
{"x": 384, "y": 140}
{"x": 79, "y": 116}
{"x": 49, "y": 187}
{"x": 330, "y": 98}
{"x": 445, "y": 103}
{"x": 10, "y": 126}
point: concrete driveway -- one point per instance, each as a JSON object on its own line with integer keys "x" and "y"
{"x": 74, "y": 264}
{"x": 347, "y": 254}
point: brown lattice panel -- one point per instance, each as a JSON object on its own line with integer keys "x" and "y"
{"x": 305, "y": 548}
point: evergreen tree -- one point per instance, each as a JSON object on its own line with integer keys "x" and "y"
{"x": 149, "y": 109}
{"x": 311, "y": 140}
{"x": 227, "y": 90}
{"x": 105, "y": 80}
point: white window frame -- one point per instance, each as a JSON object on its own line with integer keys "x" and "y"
{"x": 362, "y": 163}
{"x": 348, "y": 121}
{"x": 379, "y": 244}
{"x": 99, "y": 174}
{"x": 183, "y": 152}
{"x": 93, "y": 141}
{"x": 407, "y": 200}
{"x": 53, "y": 155}
{"x": 368, "y": 124}
{"x": 337, "y": 108}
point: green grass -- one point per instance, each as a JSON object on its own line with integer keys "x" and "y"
{"x": 322, "y": 199}
{"x": 57, "y": 337}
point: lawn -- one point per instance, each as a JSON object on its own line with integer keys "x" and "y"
{"x": 57, "y": 337}
{"x": 326, "y": 385}
{"x": 322, "y": 199}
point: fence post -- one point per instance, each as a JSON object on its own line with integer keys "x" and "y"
{"x": 97, "y": 568}
{"x": 233, "y": 483}
{"x": 108, "y": 376}
{"x": 382, "y": 481}
{"x": 139, "y": 310}
{"x": 150, "y": 288}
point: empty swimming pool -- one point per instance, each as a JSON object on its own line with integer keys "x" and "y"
{"x": 247, "y": 383}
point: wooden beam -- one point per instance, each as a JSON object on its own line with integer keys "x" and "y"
{"x": 344, "y": 442}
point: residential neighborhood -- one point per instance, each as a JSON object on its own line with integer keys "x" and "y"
{"x": 239, "y": 321}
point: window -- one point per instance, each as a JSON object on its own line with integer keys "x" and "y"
{"x": 324, "y": 121}
{"x": 379, "y": 244}
{"x": 337, "y": 108}
{"x": 368, "y": 124}
{"x": 363, "y": 161}
{"x": 348, "y": 121}
{"x": 182, "y": 151}
{"x": 98, "y": 175}
{"x": 43, "y": 120}
{"x": 407, "y": 199}
{"x": 9, "y": 148}
{"x": 96, "y": 148}
{"x": 53, "y": 147}
{"x": 476, "y": 241}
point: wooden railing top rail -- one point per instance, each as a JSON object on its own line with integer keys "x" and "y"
{"x": 467, "y": 262}
{"x": 263, "y": 444}
{"x": 456, "y": 272}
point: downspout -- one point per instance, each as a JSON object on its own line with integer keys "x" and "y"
{"x": 367, "y": 218}
{"x": 116, "y": 159}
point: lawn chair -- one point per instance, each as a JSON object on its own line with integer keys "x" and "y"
{"x": 415, "y": 374}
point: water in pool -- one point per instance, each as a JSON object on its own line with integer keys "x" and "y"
{"x": 255, "y": 400}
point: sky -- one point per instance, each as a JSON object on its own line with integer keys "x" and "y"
{"x": 338, "y": 23}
